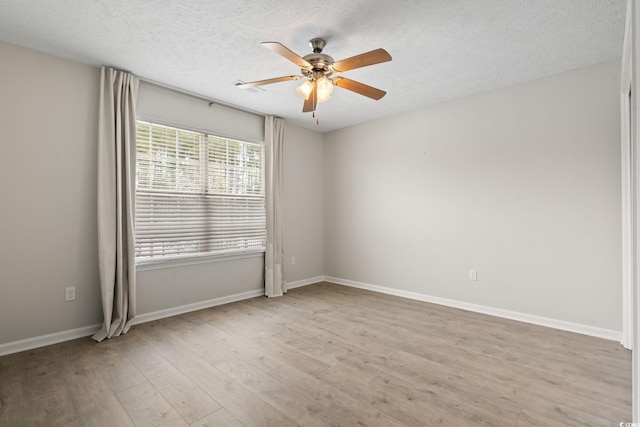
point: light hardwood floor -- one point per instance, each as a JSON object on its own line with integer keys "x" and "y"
{"x": 323, "y": 355}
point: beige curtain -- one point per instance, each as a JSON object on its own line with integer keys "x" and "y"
{"x": 116, "y": 186}
{"x": 275, "y": 284}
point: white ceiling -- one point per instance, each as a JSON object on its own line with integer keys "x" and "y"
{"x": 441, "y": 49}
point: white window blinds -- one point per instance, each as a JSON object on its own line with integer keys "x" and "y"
{"x": 197, "y": 194}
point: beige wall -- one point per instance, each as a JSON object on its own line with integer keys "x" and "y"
{"x": 522, "y": 184}
{"x": 304, "y": 203}
{"x": 167, "y": 288}
{"x": 164, "y": 289}
{"x": 48, "y": 238}
{"x": 634, "y": 21}
{"x": 48, "y": 128}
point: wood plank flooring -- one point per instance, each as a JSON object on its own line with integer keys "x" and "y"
{"x": 323, "y": 355}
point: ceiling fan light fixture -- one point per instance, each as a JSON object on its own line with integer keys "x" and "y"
{"x": 304, "y": 90}
{"x": 325, "y": 87}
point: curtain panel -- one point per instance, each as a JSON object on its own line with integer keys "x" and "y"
{"x": 116, "y": 195}
{"x": 275, "y": 283}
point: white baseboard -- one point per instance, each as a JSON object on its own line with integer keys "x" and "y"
{"x": 174, "y": 311}
{"x": 58, "y": 337}
{"x": 305, "y": 282}
{"x": 49, "y": 339}
{"x": 498, "y": 312}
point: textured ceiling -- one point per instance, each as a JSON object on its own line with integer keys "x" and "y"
{"x": 441, "y": 50}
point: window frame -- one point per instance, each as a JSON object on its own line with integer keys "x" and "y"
{"x": 178, "y": 260}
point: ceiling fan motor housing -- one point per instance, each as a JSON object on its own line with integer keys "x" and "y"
{"x": 319, "y": 62}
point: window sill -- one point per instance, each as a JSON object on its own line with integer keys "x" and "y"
{"x": 205, "y": 259}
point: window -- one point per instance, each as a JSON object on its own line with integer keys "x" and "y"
{"x": 196, "y": 194}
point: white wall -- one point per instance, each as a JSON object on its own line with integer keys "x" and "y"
{"x": 522, "y": 184}
{"x": 48, "y": 128}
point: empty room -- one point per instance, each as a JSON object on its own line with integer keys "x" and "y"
{"x": 319, "y": 213}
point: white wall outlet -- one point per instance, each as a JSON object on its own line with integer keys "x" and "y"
{"x": 293, "y": 260}
{"x": 70, "y": 293}
{"x": 473, "y": 274}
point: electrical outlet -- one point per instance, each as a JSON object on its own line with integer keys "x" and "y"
{"x": 70, "y": 293}
{"x": 293, "y": 260}
{"x": 473, "y": 274}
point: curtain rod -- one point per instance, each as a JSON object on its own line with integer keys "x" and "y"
{"x": 211, "y": 101}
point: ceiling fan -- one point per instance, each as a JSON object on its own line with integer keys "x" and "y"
{"x": 317, "y": 69}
